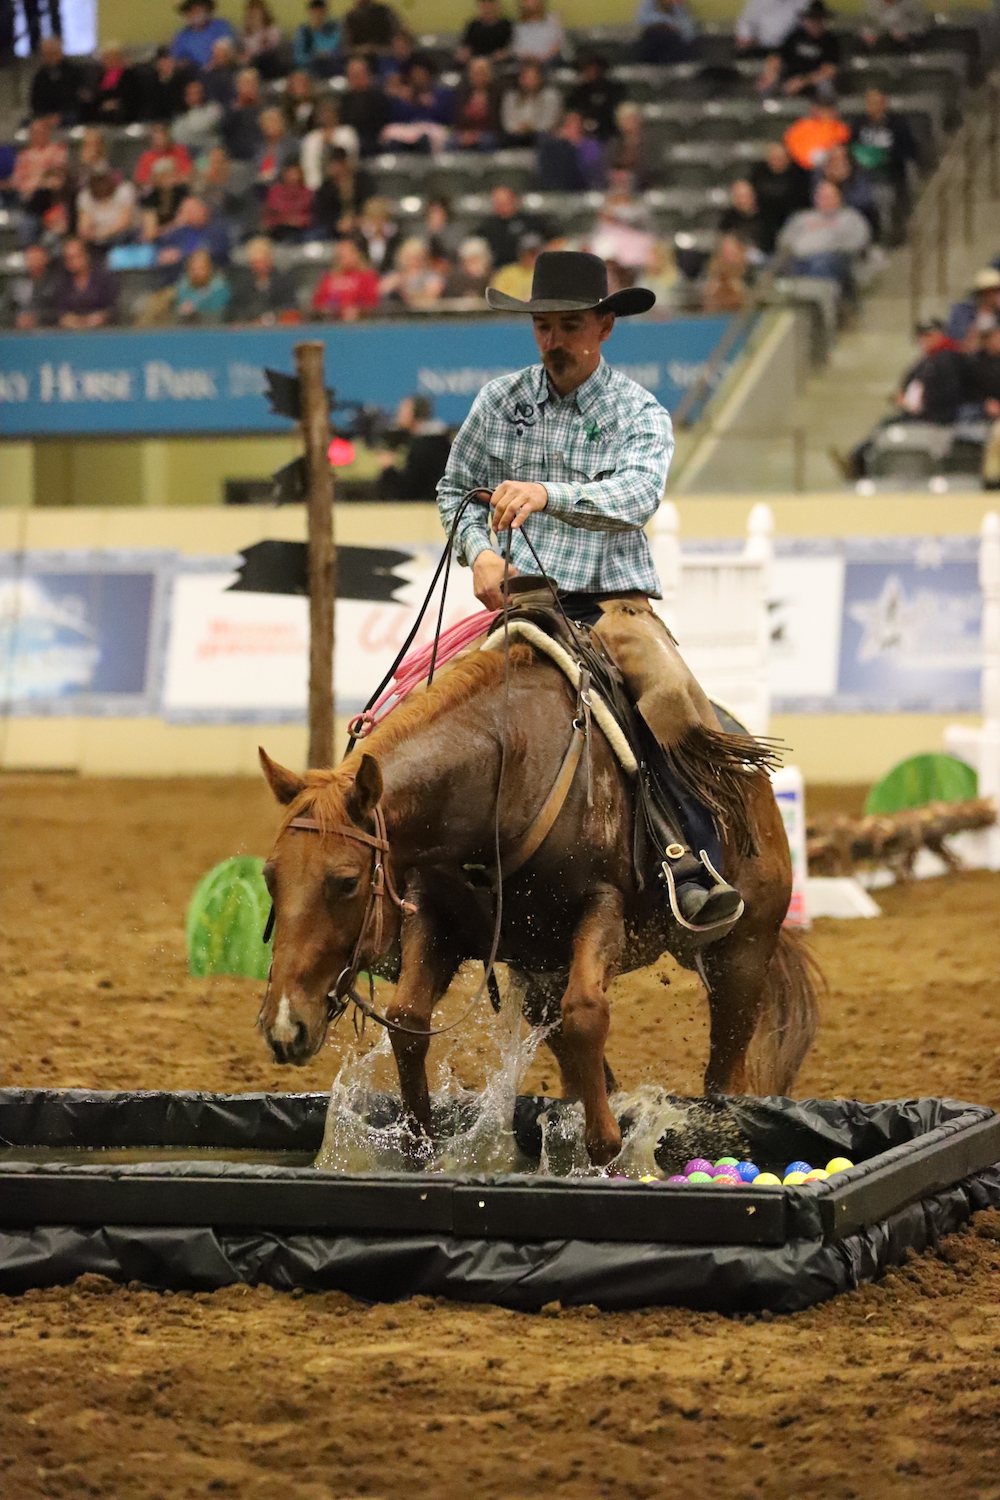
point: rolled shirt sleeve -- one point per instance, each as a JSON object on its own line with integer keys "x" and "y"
{"x": 628, "y": 499}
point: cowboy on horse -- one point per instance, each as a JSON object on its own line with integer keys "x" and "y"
{"x": 585, "y": 451}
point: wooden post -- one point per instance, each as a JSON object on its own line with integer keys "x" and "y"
{"x": 315, "y": 420}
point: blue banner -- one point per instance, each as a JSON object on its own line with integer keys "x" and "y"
{"x": 211, "y": 380}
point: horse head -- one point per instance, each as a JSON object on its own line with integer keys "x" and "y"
{"x": 323, "y": 883}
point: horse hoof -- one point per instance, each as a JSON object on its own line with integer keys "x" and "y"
{"x": 602, "y": 1152}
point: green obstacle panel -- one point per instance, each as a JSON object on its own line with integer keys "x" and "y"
{"x": 225, "y": 921}
{"x": 922, "y": 779}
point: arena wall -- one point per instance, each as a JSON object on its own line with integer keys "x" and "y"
{"x": 841, "y": 747}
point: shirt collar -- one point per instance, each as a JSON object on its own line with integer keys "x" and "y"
{"x": 585, "y": 394}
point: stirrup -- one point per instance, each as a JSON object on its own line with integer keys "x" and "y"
{"x": 707, "y": 932}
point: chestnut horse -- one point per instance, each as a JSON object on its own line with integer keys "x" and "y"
{"x": 573, "y": 915}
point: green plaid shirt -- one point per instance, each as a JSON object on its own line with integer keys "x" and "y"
{"x": 602, "y": 453}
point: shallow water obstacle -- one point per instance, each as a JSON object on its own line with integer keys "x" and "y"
{"x": 224, "y": 1195}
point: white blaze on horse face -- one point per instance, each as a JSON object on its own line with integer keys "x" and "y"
{"x": 284, "y": 1028}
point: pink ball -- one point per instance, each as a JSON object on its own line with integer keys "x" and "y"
{"x": 678, "y": 1178}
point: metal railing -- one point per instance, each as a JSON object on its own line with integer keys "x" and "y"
{"x": 968, "y": 170}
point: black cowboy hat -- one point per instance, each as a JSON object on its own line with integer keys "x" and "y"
{"x": 573, "y": 281}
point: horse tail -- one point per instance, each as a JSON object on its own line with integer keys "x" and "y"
{"x": 788, "y": 1019}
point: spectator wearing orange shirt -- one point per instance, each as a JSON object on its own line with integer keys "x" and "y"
{"x": 162, "y": 148}
{"x": 349, "y": 289}
{"x": 810, "y": 139}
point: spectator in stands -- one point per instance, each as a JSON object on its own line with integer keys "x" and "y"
{"x": 668, "y": 32}
{"x": 976, "y": 312}
{"x": 389, "y": 66}
{"x": 162, "y": 148}
{"x": 241, "y": 132}
{"x": 568, "y": 160}
{"x": 662, "y": 277}
{"x": 427, "y": 449}
{"x": 932, "y": 390}
{"x": 744, "y": 219}
{"x": 487, "y": 34}
{"x": 725, "y": 289}
{"x": 476, "y": 119}
{"x": 55, "y": 88}
{"x": 30, "y": 300}
{"x": 530, "y": 109}
{"x": 622, "y": 235}
{"x": 202, "y": 293}
{"x": 369, "y": 26}
{"x": 413, "y": 282}
{"x": 896, "y": 22}
{"x": 363, "y": 106}
{"x": 86, "y": 294}
{"x": 984, "y": 386}
{"x": 515, "y": 278}
{"x": 50, "y": 212}
{"x": 420, "y": 111}
{"x": 825, "y": 241}
{"x": 106, "y": 100}
{"x": 162, "y": 200}
{"x": 92, "y": 154}
{"x": 219, "y": 78}
{"x": 350, "y": 289}
{"x": 261, "y": 293}
{"x": 287, "y": 212}
{"x": 505, "y": 228}
{"x": 107, "y": 211}
{"x": 338, "y": 200}
{"x": 808, "y": 57}
{"x": 299, "y": 103}
{"x": 277, "y": 149}
{"x": 854, "y": 185}
{"x": 377, "y": 235}
{"x": 193, "y": 229}
{"x": 632, "y": 150}
{"x": 34, "y": 160}
{"x": 326, "y": 137}
{"x": 471, "y": 276}
{"x": 538, "y": 34}
{"x": 595, "y": 97}
{"x": 883, "y": 143}
{"x": 260, "y": 40}
{"x": 811, "y": 138}
{"x": 316, "y": 45}
{"x": 781, "y": 187}
{"x": 162, "y": 94}
{"x": 193, "y": 43}
{"x": 443, "y": 235}
{"x": 227, "y": 194}
{"x": 198, "y": 127}
{"x": 8, "y": 161}
{"x": 764, "y": 25}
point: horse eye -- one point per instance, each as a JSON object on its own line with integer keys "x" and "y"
{"x": 340, "y": 887}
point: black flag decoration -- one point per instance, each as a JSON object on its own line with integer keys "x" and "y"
{"x": 290, "y": 483}
{"x": 283, "y": 394}
{"x": 276, "y": 567}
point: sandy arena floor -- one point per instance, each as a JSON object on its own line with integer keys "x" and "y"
{"x": 890, "y": 1392}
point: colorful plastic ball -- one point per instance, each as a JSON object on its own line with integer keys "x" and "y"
{"x": 838, "y": 1164}
{"x": 748, "y": 1171}
{"x": 649, "y": 1179}
{"x": 723, "y": 1179}
{"x": 698, "y": 1177}
{"x": 698, "y": 1164}
{"x": 727, "y": 1161}
{"x": 798, "y": 1166}
{"x": 680, "y": 1178}
{"x": 793, "y": 1179}
{"x": 817, "y": 1175}
{"x": 766, "y": 1179}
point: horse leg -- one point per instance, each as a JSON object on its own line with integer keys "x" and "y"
{"x": 585, "y": 1019}
{"x": 426, "y": 969}
{"x": 734, "y": 977}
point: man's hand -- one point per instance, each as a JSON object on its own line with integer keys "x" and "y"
{"x": 487, "y": 579}
{"x": 513, "y": 501}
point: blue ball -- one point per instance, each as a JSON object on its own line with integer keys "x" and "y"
{"x": 747, "y": 1171}
{"x": 797, "y": 1166}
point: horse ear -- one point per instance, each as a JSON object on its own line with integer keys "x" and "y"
{"x": 367, "y": 788}
{"x": 285, "y": 785}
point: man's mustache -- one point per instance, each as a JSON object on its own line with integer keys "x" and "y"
{"x": 557, "y": 358}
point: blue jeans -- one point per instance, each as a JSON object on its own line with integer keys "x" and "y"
{"x": 830, "y": 265}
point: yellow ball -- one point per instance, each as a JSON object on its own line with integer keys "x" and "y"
{"x": 649, "y": 1179}
{"x": 766, "y": 1179}
{"x": 817, "y": 1175}
{"x": 793, "y": 1179}
{"x": 838, "y": 1164}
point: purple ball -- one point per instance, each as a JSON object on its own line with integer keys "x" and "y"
{"x": 748, "y": 1171}
{"x": 679, "y": 1177}
{"x": 698, "y": 1164}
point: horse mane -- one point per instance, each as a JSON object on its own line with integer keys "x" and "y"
{"x": 325, "y": 792}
